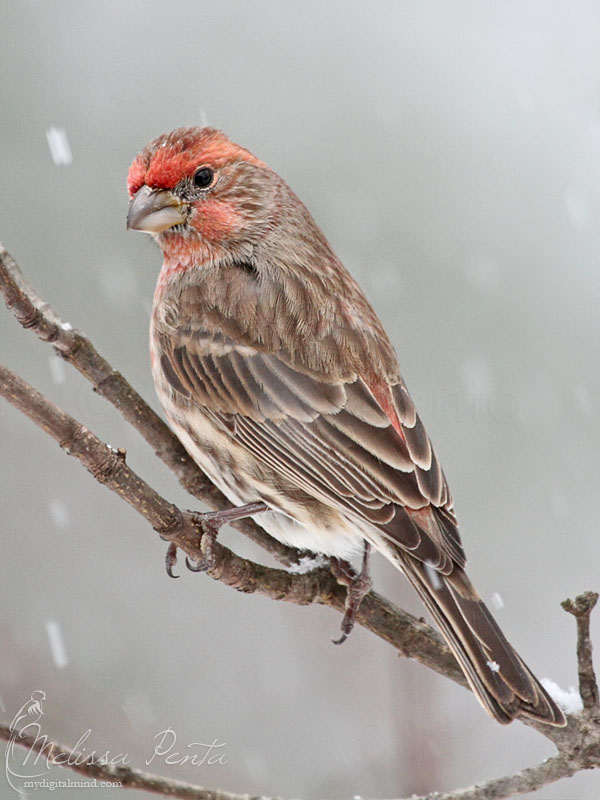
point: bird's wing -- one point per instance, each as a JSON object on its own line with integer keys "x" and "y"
{"x": 333, "y": 439}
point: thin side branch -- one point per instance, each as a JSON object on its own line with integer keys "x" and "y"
{"x": 75, "y": 347}
{"x": 124, "y": 776}
{"x": 410, "y": 636}
{"x": 581, "y": 608}
{"x": 526, "y": 780}
{"x": 109, "y": 467}
{"x": 105, "y": 464}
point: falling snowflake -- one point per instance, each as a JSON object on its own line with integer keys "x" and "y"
{"x": 57, "y": 369}
{"x": 57, "y": 645}
{"x": 59, "y": 513}
{"x": 58, "y": 143}
{"x": 433, "y": 576}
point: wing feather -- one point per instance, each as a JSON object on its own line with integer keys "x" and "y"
{"x": 384, "y": 443}
{"x": 332, "y": 438}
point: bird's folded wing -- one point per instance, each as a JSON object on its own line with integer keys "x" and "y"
{"x": 333, "y": 439}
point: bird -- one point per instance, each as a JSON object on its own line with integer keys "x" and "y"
{"x": 280, "y": 381}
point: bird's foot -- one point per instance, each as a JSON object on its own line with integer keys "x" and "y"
{"x": 209, "y": 532}
{"x": 359, "y": 584}
{"x": 209, "y": 524}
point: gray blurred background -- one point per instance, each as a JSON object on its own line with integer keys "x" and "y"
{"x": 451, "y": 153}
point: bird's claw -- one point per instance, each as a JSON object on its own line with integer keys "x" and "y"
{"x": 197, "y": 566}
{"x": 209, "y": 524}
{"x": 359, "y": 584}
{"x": 209, "y": 528}
{"x": 171, "y": 560}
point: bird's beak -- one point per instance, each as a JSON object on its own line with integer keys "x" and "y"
{"x": 153, "y": 211}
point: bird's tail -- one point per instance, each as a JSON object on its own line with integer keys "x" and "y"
{"x": 502, "y": 683}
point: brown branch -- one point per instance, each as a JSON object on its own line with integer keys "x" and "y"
{"x": 109, "y": 467}
{"x": 105, "y": 464}
{"x": 75, "y": 347}
{"x": 581, "y": 608}
{"x": 408, "y": 634}
{"x": 564, "y": 765}
{"x": 526, "y": 780}
{"x": 128, "y": 777}
{"x": 124, "y": 776}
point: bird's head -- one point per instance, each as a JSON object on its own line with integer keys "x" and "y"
{"x": 198, "y": 194}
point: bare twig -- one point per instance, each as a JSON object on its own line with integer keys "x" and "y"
{"x": 103, "y": 462}
{"x": 75, "y": 347}
{"x": 581, "y": 608}
{"x": 109, "y": 467}
{"x": 526, "y": 780}
{"x": 124, "y": 776}
{"x": 408, "y": 634}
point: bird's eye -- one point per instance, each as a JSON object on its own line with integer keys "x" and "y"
{"x": 203, "y": 177}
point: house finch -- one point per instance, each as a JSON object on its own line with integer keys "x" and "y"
{"x": 278, "y": 378}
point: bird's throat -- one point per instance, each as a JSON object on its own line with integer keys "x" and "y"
{"x": 183, "y": 252}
